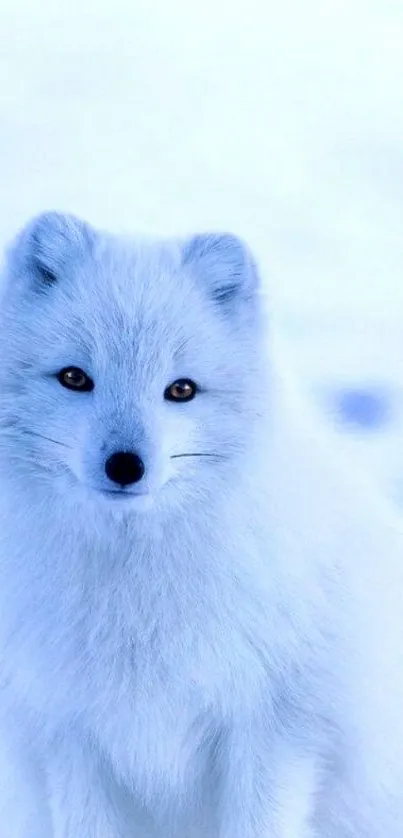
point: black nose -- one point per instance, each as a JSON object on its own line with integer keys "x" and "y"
{"x": 124, "y": 468}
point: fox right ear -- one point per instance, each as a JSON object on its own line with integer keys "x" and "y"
{"x": 225, "y": 266}
{"x": 48, "y": 245}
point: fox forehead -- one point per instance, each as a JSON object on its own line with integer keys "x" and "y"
{"x": 138, "y": 304}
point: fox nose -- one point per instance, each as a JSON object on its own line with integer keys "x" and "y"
{"x": 124, "y": 467}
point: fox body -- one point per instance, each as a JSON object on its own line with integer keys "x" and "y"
{"x": 200, "y": 609}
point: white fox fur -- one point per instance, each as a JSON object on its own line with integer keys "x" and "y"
{"x": 215, "y": 652}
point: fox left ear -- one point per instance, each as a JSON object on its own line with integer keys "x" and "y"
{"x": 48, "y": 246}
{"x": 225, "y": 265}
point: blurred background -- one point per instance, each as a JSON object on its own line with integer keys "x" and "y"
{"x": 282, "y": 122}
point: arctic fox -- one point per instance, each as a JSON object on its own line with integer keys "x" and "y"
{"x": 200, "y": 610}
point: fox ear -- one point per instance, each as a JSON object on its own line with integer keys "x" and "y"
{"x": 48, "y": 245}
{"x": 225, "y": 265}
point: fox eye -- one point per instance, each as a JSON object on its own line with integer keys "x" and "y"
{"x": 182, "y": 390}
{"x": 75, "y": 379}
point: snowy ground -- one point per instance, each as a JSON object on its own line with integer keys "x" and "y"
{"x": 283, "y": 122}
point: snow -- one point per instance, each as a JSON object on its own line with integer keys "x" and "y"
{"x": 282, "y": 122}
